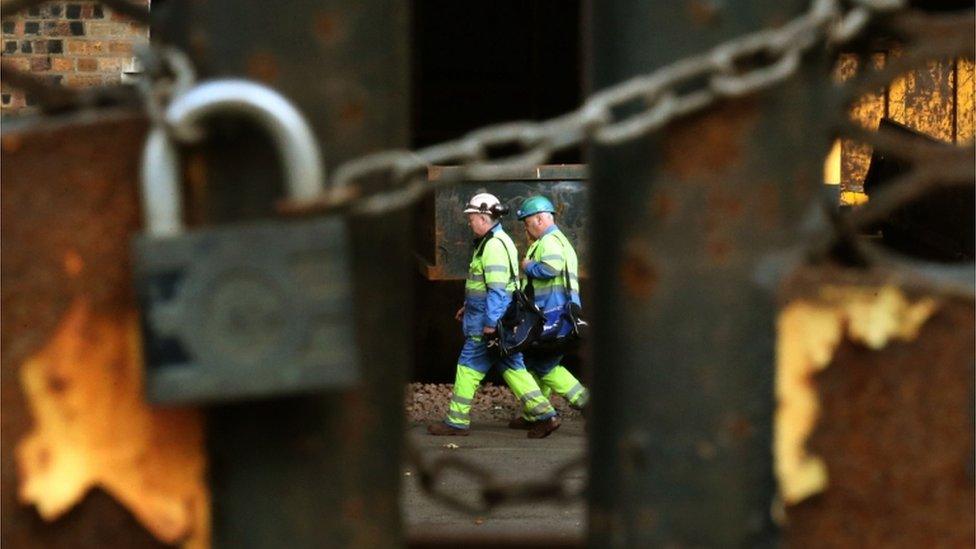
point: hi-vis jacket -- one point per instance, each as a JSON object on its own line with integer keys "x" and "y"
{"x": 553, "y": 270}
{"x": 491, "y": 280}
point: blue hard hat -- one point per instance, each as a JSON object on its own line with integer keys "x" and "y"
{"x": 534, "y": 205}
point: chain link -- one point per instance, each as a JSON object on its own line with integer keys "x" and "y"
{"x": 489, "y": 492}
{"x": 742, "y": 66}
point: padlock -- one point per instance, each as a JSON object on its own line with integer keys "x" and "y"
{"x": 246, "y": 310}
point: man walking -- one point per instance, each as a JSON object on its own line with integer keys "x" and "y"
{"x": 492, "y": 277}
{"x": 552, "y": 269}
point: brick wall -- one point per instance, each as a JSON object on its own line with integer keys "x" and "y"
{"x": 75, "y": 44}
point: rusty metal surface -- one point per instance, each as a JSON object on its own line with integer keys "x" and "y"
{"x": 896, "y": 433}
{"x": 683, "y": 334}
{"x": 446, "y": 249}
{"x": 68, "y": 209}
{"x": 936, "y": 100}
{"x": 323, "y": 469}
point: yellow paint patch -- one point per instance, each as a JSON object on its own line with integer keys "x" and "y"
{"x": 965, "y": 100}
{"x": 809, "y": 332}
{"x": 94, "y": 429}
{"x": 853, "y": 198}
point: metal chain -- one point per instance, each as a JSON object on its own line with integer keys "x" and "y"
{"x": 660, "y": 101}
{"x": 742, "y": 66}
{"x": 490, "y": 492}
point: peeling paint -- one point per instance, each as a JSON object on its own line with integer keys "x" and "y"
{"x": 92, "y": 428}
{"x": 809, "y": 332}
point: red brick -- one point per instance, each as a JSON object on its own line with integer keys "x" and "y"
{"x": 18, "y": 62}
{"x": 112, "y": 64}
{"x": 56, "y": 28}
{"x": 82, "y": 80}
{"x": 121, "y": 47}
{"x": 86, "y": 47}
{"x": 40, "y": 64}
{"x": 62, "y": 64}
{"x": 87, "y": 64}
{"x": 108, "y": 28}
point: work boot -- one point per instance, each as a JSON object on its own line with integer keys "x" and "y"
{"x": 521, "y": 423}
{"x": 441, "y": 429}
{"x": 544, "y": 428}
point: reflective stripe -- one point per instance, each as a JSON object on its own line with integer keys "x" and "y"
{"x": 497, "y": 285}
{"x": 481, "y": 293}
{"x": 496, "y": 268}
{"x": 582, "y": 400}
{"x": 459, "y": 418}
{"x": 541, "y": 408}
{"x": 555, "y": 257}
{"x": 572, "y": 276}
{"x": 530, "y": 395}
{"x": 571, "y": 394}
{"x": 476, "y": 277}
{"x": 456, "y": 425}
{"x": 460, "y": 399}
{"x": 544, "y": 292}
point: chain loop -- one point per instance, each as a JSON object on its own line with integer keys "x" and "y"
{"x": 624, "y": 112}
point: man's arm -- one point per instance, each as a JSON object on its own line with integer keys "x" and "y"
{"x": 497, "y": 277}
{"x": 551, "y": 261}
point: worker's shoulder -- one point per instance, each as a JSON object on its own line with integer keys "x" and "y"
{"x": 552, "y": 241}
{"x": 499, "y": 242}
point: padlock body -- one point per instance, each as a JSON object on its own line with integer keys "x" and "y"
{"x": 246, "y": 311}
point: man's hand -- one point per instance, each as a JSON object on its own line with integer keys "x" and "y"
{"x": 488, "y": 330}
{"x": 525, "y": 263}
{"x": 459, "y": 314}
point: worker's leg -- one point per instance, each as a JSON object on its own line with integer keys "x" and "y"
{"x": 546, "y": 391}
{"x": 466, "y": 382}
{"x": 472, "y": 366}
{"x": 565, "y": 384}
{"x": 536, "y": 407}
{"x": 536, "y": 365}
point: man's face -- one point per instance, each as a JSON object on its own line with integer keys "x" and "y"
{"x": 479, "y": 223}
{"x": 532, "y": 226}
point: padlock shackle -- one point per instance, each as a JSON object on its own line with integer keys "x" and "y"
{"x": 291, "y": 134}
{"x": 162, "y": 204}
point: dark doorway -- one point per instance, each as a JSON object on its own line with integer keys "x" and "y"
{"x": 473, "y": 64}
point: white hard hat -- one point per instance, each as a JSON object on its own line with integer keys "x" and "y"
{"x": 485, "y": 203}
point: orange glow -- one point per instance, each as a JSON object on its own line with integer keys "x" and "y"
{"x": 92, "y": 428}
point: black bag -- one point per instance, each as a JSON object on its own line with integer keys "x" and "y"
{"x": 519, "y": 326}
{"x": 561, "y": 329}
{"x": 573, "y": 328}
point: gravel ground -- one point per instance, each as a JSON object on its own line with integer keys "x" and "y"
{"x": 427, "y": 402}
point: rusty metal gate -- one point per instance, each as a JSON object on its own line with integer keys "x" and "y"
{"x": 768, "y": 372}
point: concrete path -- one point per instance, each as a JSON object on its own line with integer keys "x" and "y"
{"x": 511, "y": 457}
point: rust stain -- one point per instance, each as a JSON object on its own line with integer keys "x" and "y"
{"x": 637, "y": 273}
{"x": 663, "y": 206}
{"x": 965, "y": 100}
{"x": 11, "y": 143}
{"x": 263, "y": 66}
{"x": 92, "y": 428}
{"x": 328, "y": 28}
{"x": 719, "y": 250}
{"x": 73, "y": 263}
{"x": 352, "y": 113}
{"x": 808, "y": 333}
{"x": 866, "y": 111}
{"x": 711, "y": 143}
{"x": 704, "y": 12}
{"x": 923, "y": 100}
